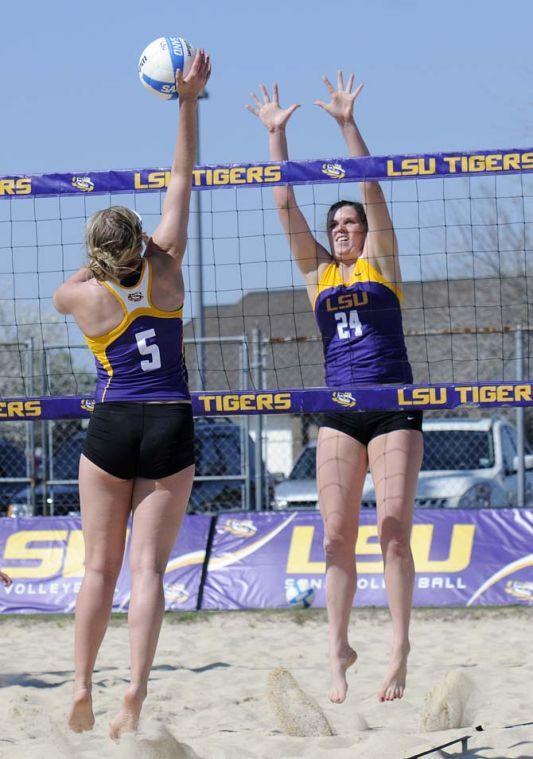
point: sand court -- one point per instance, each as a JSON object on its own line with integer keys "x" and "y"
{"x": 211, "y": 692}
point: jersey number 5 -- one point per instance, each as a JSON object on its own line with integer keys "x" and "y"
{"x": 348, "y": 323}
{"x": 154, "y": 362}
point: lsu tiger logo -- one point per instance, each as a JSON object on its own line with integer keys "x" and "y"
{"x": 87, "y": 404}
{"x": 523, "y": 591}
{"x": 177, "y": 593}
{"x": 333, "y": 170}
{"x": 344, "y": 399}
{"x": 135, "y": 297}
{"x": 85, "y": 184}
{"x": 241, "y": 528}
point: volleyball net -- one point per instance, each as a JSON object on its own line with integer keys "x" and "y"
{"x": 464, "y": 223}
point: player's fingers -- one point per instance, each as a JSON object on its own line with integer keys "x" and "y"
{"x": 251, "y": 109}
{"x": 350, "y": 83}
{"x": 340, "y": 80}
{"x": 206, "y": 67}
{"x": 358, "y": 90}
{"x": 330, "y": 87}
{"x": 275, "y": 93}
{"x": 255, "y": 99}
{"x": 265, "y": 93}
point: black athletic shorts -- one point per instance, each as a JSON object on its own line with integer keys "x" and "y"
{"x": 151, "y": 440}
{"x": 363, "y": 426}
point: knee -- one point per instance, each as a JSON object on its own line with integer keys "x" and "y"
{"x": 104, "y": 572}
{"x": 141, "y": 571}
{"x": 339, "y": 544}
{"x": 396, "y": 543}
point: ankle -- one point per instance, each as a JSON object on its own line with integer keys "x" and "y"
{"x": 137, "y": 691}
{"x": 340, "y": 650}
{"x": 401, "y": 649}
{"x": 82, "y": 684}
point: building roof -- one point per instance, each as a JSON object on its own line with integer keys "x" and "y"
{"x": 456, "y": 330}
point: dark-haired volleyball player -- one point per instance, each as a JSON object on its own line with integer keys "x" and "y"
{"x": 138, "y": 454}
{"x": 355, "y": 291}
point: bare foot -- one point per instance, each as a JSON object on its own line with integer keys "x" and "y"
{"x": 338, "y": 667}
{"x": 81, "y": 717}
{"x": 393, "y": 684}
{"x": 127, "y": 719}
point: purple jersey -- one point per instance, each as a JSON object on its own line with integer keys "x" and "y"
{"x": 142, "y": 358}
{"x": 361, "y": 326}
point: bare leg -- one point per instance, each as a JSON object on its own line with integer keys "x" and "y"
{"x": 158, "y": 510}
{"x": 395, "y": 460}
{"x": 105, "y": 507}
{"x": 341, "y": 468}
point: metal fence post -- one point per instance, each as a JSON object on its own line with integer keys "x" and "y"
{"x": 44, "y": 440}
{"x": 30, "y": 428}
{"x": 520, "y": 424}
{"x": 257, "y": 375}
{"x": 245, "y": 426}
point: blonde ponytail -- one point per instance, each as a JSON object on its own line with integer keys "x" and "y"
{"x": 114, "y": 240}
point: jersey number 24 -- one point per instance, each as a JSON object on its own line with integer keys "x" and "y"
{"x": 348, "y": 323}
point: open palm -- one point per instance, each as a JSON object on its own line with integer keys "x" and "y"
{"x": 269, "y": 112}
{"x": 342, "y": 98}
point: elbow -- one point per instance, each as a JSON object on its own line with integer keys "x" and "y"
{"x": 56, "y": 300}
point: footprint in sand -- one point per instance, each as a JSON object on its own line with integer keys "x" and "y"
{"x": 155, "y": 742}
{"x": 296, "y": 713}
{"x": 445, "y": 705}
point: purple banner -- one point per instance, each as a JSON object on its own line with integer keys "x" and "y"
{"x": 420, "y": 166}
{"x": 275, "y": 560}
{"x": 297, "y": 401}
{"x": 462, "y": 558}
{"x": 45, "y": 555}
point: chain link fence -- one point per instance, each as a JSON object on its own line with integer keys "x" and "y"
{"x": 39, "y": 460}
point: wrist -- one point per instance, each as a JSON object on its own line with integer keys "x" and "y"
{"x": 187, "y": 99}
{"x": 346, "y": 123}
{"x": 276, "y": 129}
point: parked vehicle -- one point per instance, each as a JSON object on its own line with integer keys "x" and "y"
{"x": 12, "y": 465}
{"x": 219, "y": 454}
{"x": 219, "y": 459}
{"x": 468, "y": 463}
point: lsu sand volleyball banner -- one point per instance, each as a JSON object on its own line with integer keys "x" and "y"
{"x": 276, "y": 560}
{"x": 462, "y": 558}
{"x": 45, "y": 557}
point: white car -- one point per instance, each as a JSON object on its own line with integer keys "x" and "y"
{"x": 468, "y": 464}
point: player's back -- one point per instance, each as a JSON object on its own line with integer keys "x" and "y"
{"x": 140, "y": 358}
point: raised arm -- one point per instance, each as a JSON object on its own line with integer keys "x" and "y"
{"x": 306, "y": 251}
{"x": 171, "y": 232}
{"x": 381, "y": 244}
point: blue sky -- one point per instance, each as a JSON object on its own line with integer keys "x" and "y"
{"x": 454, "y": 75}
{"x": 439, "y": 76}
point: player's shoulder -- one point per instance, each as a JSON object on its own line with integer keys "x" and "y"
{"x": 161, "y": 261}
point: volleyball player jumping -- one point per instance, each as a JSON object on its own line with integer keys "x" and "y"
{"x": 355, "y": 291}
{"x": 138, "y": 455}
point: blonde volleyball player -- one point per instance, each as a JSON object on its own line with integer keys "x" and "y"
{"x": 355, "y": 292}
{"x": 138, "y": 454}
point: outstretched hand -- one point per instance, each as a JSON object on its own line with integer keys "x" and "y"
{"x": 190, "y": 86}
{"x": 269, "y": 112}
{"x": 342, "y": 98}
